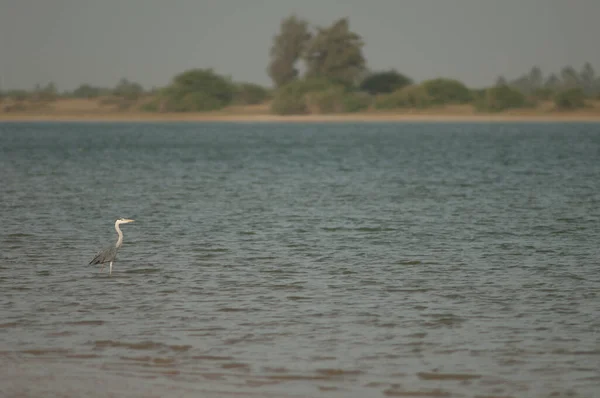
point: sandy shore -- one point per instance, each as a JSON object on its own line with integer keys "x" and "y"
{"x": 252, "y": 118}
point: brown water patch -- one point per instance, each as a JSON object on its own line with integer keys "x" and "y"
{"x": 297, "y": 377}
{"x": 236, "y": 365}
{"x": 58, "y": 334}
{"x": 163, "y": 361}
{"x": 375, "y": 384}
{"x": 208, "y": 329}
{"x": 141, "y": 359}
{"x": 338, "y": 372}
{"x": 86, "y": 323}
{"x": 430, "y": 393}
{"x": 261, "y": 383}
{"x": 323, "y": 358}
{"x": 180, "y": 348}
{"x": 211, "y": 358}
{"x": 231, "y": 309}
{"x": 326, "y": 388}
{"x": 213, "y": 376}
{"x": 46, "y": 351}
{"x": 446, "y": 376}
{"x": 298, "y": 298}
{"x": 8, "y": 325}
{"x": 82, "y": 356}
{"x": 274, "y": 370}
{"x": 144, "y": 345}
{"x": 494, "y": 396}
{"x": 408, "y": 262}
{"x": 444, "y": 321}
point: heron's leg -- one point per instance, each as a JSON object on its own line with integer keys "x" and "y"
{"x": 110, "y": 268}
{"x": 102, "y": 267}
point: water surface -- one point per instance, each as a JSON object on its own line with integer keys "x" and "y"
{"x": 301, "y": 260}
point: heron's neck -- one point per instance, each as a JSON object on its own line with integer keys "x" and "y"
{"x": 120, "y": 240}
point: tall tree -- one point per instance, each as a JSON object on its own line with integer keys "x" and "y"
{"x": 336, "y": 53}
{"x": 552, "y": 82}
{"x": 536, "y": 78}
{"x": 128, "y": 90}
{"x": 570, "y": 77}
{"x": 587, "y": 77}
{"x": 384, "y": 82}
{"x": 501, "y": 81}
{"x": 288, "y": 47}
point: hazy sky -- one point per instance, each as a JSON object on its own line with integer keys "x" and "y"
{"x": 70, "y": 42}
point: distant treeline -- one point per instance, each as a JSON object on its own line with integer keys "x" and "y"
{"x": 335, "y": 79}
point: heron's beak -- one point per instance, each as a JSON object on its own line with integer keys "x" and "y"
{"x": 128, "y": 220}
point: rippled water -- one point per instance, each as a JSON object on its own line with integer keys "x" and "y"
{"x": 313, "y": 260}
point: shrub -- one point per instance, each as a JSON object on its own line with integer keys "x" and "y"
{"x": 198, "y": 90}
{"x": 17, "y": 95}
{"x": 543, "y": 93}
{"x": 570, "y": 99}
{"x": 88, "y": 91}
{"x": 128, "y": 90}
{"x": 250, "y": 94}
{"x": 408, "y": 97}
{"x": 356, "y": 102}
{"x": 500, "y": 98}
{"x": 151, "y": 106}
{"x": 326, "y": 101}
{"x": 447, "y": 91}
{"x": 292, "y": 98}
{"x": 384, "y": 82}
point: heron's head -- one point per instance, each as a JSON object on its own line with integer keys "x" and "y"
{"x": 124, "y": 220}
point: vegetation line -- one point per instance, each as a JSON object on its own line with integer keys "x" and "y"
{"x": 336, "y": 81}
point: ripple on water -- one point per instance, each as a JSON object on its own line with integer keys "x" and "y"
{"x": 342, "y": 260}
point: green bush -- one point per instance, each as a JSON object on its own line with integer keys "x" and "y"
{"x": 151, "y": 106}
{"x": 356, "y": 102}
{"x": 197, "y": 90}
{"x": 447, "y": 91}
{"x": 408, "y": 97}
{"x": 250, "y": 94}
{"x": 292, "y": 98}
{"x": 500, "y": 98}
{"x": 570, "y": 99}
{"x": 543, "y": 94}
{"x": 326, "y": 101}
{"x": 17, "y": 95}
{"x": 87, "y": 91}
{"x": 384, "y": 82}
{"x": 128, "y": 90}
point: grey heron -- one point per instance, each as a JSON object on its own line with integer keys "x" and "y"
{"x": 109, "y": 254}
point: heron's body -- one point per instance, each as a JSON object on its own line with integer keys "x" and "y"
{"x": 109, "y": 254}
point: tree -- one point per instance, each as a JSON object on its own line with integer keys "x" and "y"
{"x": 288, "y": 47}
{"x": 335, "y": 53}
{"x": 570, "y": 99}
{"x": 87, "y": 91}
{"x": 384, "y": 82}
{"x": 536, "y": 78}
{"x": 291, "y": 99}
{"x": 447, "y": 91}
{"x": 570, "y": 77}
{"x": 250, "y": 94}
{"x": 198, "y": 90}
{"x": 128, "y": 90}
{"x": 501, "y": 81}
{"x": 552, "y": 82}
{"x": 500, "y": 98}
{"x": 46, "y": 93}
{"x": 587, "y": 76}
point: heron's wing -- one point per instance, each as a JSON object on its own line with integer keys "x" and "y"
{"x": 105, "y": 255}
